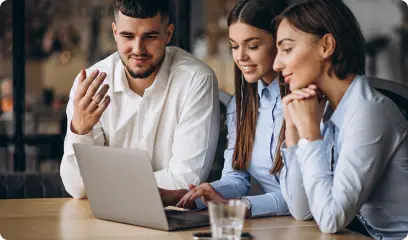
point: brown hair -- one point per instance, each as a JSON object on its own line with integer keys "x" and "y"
{"x": 321, "y": 17}
{"x": 259, "y": 14}
{"x": 278, "y": 163}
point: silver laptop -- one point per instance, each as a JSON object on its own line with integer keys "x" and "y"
{"x": 121, "y": 187}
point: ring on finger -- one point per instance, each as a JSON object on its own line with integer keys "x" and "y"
{"x": 93, "y": 100}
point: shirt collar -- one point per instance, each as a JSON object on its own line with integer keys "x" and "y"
{"x": 119, "y": 77}
{"x": 272, "y": 88}
{"x": 120, "y": 82}
{"x": 338, "y": 114}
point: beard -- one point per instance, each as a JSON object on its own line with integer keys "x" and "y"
{"x": 146, "y": 73}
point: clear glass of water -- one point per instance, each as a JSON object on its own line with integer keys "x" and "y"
{"x": 227, "y": 219}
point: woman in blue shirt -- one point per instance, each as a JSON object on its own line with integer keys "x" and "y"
{"x": 254, "y": 116}
{"x": 346, "y": 161}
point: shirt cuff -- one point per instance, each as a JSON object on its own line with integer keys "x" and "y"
{"x": 225, "y": 189}
{"x": 222, "y": 188}
{"x": 261, "y": 207}
{"x": 312, "y": 156}
{"x": 200, "y": 204}
{"x": 84, "y": 139}
{"x": 288, "y": 154}
{"x": 256, "y": 205}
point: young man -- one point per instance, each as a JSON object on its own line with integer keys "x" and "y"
{"x": 146, "y": 96}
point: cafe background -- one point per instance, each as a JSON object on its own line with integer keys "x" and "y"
{"x": 45, "y": 43}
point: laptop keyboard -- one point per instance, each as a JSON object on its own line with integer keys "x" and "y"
{"x": 180, "y": 220}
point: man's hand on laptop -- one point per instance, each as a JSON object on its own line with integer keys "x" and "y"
{"x": 89, "y": 103}
{"x": 172, "y": 197}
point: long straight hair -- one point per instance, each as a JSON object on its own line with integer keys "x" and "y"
{"x": 259, "y": 14}
{"x": 278, "y": 163}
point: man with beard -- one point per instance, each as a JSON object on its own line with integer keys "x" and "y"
{"x": 147, "y": 96}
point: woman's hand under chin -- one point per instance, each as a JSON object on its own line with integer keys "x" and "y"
{"x": 304, "y": 111}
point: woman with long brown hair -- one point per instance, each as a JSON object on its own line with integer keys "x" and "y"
{"x": 254, "y": 116}
{"x": 346, "y": 161}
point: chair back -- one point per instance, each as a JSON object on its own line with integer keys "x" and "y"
{"x": 397, "y": 92}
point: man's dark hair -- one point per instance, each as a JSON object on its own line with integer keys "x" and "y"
{"x": 142, "y": 8}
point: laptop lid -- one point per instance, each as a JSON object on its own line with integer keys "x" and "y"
{"x": 121, "y": 186}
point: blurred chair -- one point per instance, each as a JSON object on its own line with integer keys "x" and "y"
{"x": 218, "y": 164}
{"x": 31, "y": 185}
{"x": 398, "y": 93}
{"x": 224, "y": 98}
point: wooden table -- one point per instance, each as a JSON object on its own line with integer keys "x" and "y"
{"x": 73, "y": 219}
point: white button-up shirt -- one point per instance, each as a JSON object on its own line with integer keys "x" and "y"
{"x": 176, "y": 121}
